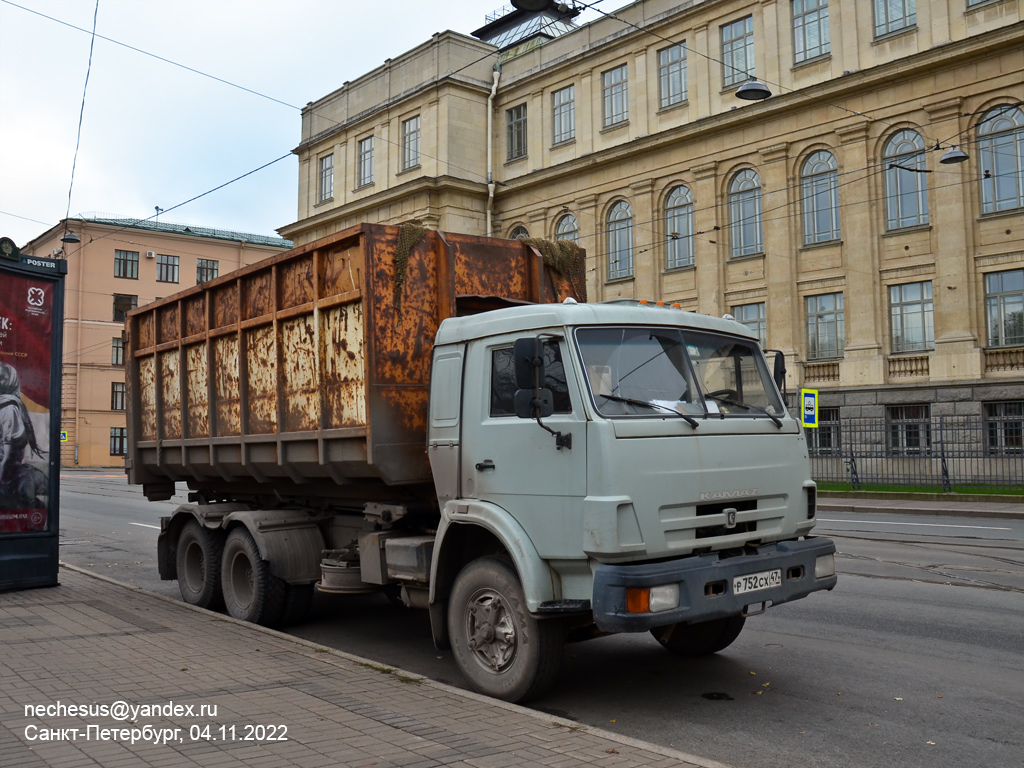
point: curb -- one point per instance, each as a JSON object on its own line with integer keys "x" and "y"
{"x": 325, "y": 652}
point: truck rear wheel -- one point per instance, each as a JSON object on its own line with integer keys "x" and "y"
{"x": 501, "y": 649}
{"x": 700, "y": 639}
{"x": 251, "y": 592}
{"x": 198, "y": 562}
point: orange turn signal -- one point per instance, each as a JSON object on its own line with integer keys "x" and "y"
{"x": 638, "y": 600}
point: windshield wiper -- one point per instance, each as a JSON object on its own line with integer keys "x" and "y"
{"x": 748, "y": 406}
{"x": 649, "y": 404}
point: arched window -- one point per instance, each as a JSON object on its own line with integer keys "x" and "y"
{"x": 620, "y": 240}
{"x": 745, "y": 213}
{"x": 519, "y": 232}
{"x": 679, "y": 228}
{"x": 819, "y": 182}
{"x": 1001, "y": 147}
{"x": 906, "y": 189}
{"x": 567, "y": 228}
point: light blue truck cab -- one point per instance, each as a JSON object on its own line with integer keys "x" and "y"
{"x": 610, "y": 468}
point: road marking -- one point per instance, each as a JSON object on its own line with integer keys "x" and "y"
{"x": 144, "y": 525}
{"x": 926, "y": 525}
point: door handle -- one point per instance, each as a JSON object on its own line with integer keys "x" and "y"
{"x": 486, "y": 464}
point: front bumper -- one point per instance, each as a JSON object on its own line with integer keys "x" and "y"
{"x": 705, "y": 584}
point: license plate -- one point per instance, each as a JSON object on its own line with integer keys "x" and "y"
{"x": 756, "y": 581}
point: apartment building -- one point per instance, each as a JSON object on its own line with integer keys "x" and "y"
{"x": 119, "y": 264}
{"x": 867, "y": 218}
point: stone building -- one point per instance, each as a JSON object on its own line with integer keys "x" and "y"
{"x": 831, "y": 217}
{"x": 119, "y": 264}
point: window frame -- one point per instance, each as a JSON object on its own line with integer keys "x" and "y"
{"x": 563, "y": 114}
{"x": 816, "y": 318}
{"x": 733, "y": 42}
{"x": 117, "y": 351}
{"x": 325, "y": 178}
{"x": 118, "y": 393}
{"x": 905, "y": 426}
{"x": 126, "y": 262}
{"x": 672, "y": 76}
{"x": 758, "y": 323}
{"x": 559, "y": 387}
{"x": 133, "y": 303}
{"x": 167, "y": 268}
{"x": 814, "y": 185}
{"x": 516, "y": 135}
{"x": 619, "y": 232}
{"x": 679, "y": 207}
{"x": 996, "y": 297}
{"x": 207, "y": 270}
{"x": 904, "y": 183}
{"x": 615, "y": 96}
{"x": 1001, "y": 425}
{"x": 995, "y": 147}
{"x": 804, "y": 18}
{"x": 572, "y": 233}
{"x": 410, "y": 143}
{"x": 364, "y": 162}
{"x": 744, "y": 199}
{"x": 118, "y": 441}
{"x": 901, "y": 309}
{"x": 886, "y": 24}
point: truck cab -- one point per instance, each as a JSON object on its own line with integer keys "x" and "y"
{"x": 647, "y": 477}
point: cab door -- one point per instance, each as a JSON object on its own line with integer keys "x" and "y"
{"x": 515, "y": 463}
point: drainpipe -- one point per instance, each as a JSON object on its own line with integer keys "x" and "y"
{"x": 496, "y": 74}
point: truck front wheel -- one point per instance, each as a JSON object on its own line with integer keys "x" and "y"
{"x": 198, "y": 561}
{"x": 501, "y": 649}
{"x": 251, "y": 592}
{"x": 700, "y": 639}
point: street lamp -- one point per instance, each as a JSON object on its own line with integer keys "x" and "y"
{"x": 753, "y": 91}
{"x": 70, "y": 238}
{"x": 953, "y": 156}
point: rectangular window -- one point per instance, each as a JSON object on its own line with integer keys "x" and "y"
{"x": 672, "y": 75}
{"x": 894, "y": 15}
{"x": 364, "y": 161}
{"x": 1004, "y": 308}
{"x": 738, "y": 51}
{"x": 326, "y": 184}
{"x": 515, "y": 124}
{"x": 118, "y": 441}
{"x": 503, "y": 380}
{"x": 810, "y": 29}
{"x": 206, "y": 269}
{"x": 910, "y": 312}
{"x": 123, "y": 304}
{"x": 616, "y": 96}
{"x": 117, "y": 396}
{"x": 826, "y": 331}
{"x": 1004, "y": 427}
{"x": 410, "y": 143}
{"x": 117, "y": 351}
{"x": 126, "y": 264}
{"x": 167, "y": 268}
{"x": 753, "y": 316}
{"x": 563, "y": 114}
{"x": 909, "y": 429}
{"x": 826, "y": 439}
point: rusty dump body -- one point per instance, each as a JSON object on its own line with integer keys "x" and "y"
{"x": 306, "y": 376}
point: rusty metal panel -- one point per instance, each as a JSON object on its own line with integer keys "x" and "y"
{"x": 225, "y": 305}
{"x": 147, "y": 331}
{"x": 297, "y": 282}
{"x": 257, "y": 294}
{"x": 197, "y": 381}
{"x": 342, "y": 270}
{"x": 147, "y": 397}
{"x": 300, "y": 375}
{"x": 170, "y": 394}
{"x": 490, "y": 268}
{"x": 195, "y": 314}
{"x": 227, "y": 389}
{"x": 168, "y": 325}
{"x": 344, "y": 366}
{"x": 261, "y": 374}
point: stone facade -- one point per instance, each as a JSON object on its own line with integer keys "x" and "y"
{"x": 901, "y": 223}
{"x": 113, "y": 260}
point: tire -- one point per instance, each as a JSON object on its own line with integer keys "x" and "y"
{"x": 297, "y": 602}
{"x": 700, "y": 639}
{"x": 198, "y": 562}
{"x": 251, "y": 592}
{"x": 500, "y": 648}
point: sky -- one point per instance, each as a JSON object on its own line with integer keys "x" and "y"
{"x": 154, "y": 133}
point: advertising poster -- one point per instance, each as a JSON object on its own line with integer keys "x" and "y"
{"x": 26, "y": 334}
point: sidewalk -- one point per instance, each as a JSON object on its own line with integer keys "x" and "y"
{"x": 952, "y": 507}
{"x": 94, "y": 643}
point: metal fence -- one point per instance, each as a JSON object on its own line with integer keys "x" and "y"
{"x": 939, "y": 454}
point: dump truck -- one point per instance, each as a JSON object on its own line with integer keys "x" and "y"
{"x": 443, "y": 418}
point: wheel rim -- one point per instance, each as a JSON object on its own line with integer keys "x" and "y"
{"x": 195, "y": 566}
{"x": 490, "y": 631}
{"x": 242, "y": 580}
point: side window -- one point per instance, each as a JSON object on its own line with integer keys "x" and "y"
{"x": 503, "y": 380}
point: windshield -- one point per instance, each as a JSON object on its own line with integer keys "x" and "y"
{"x": 646, "y": 371}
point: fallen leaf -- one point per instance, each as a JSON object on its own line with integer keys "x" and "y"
{"x": 184, "y": 669}
{"x": 612, "y": 751}
{"x": 765, "y": 685}
{"x": 931, "y": 743}
{"x": 611, "y": 721}
{"x": 897, "y": 699}
{"x": 757, "y": 693}
{"x": 753, "y": 673}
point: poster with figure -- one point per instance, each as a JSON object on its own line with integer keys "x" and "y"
{"x": 26, "y": 331}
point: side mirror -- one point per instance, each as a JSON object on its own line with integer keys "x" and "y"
{"x": 527, "y": 405}
{"x": 529, "y": 360}
{"x": 779, "y": 371}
